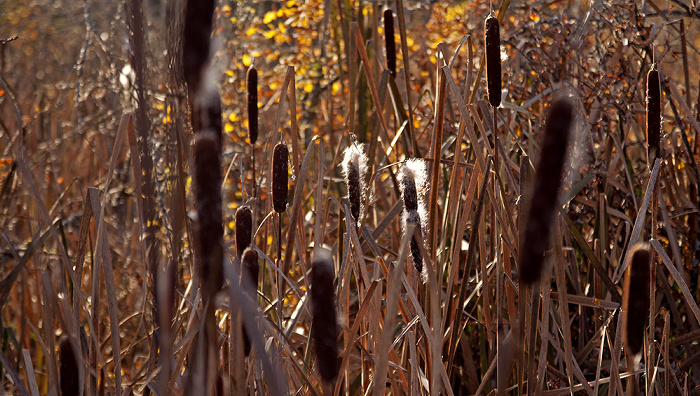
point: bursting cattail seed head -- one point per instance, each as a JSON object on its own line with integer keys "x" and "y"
{"x": 635, "y": 298}
{"x": 413, "y": 184}
{"x": 244, "y": 228}
{"x": 68, "y": 368}
{"x": 390, "y": 42}
{"x": 354, "y": 167}
{"x": 280, "y": 177}
{"x": 493, "y": 60}
{"x": 544, "y": 196}
{"x": 653, "y": 117}
{"x": 209, "y": 225}
{"x": 249, "y": 281}
{"x": 252, "y": 86}
{"x": 324, "y": 322}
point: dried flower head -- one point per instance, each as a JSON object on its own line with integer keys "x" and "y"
{"x": 244, "y": 229}
{"x": 390, "y": 44}
{"x": 493, "y": 60}
{"x": 280, "y": 177}
{"x": 252, "y": 86}
{"x": 68, "y": 368}
{"x": 354, "y": 167}
{"x": 653, "y": 117}
{"x": 635, "y": 298}
{"x": 413, "y": 183}
{"x": 324, "y": 321}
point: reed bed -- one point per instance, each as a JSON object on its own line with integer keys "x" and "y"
{"x": 343, "y": 198}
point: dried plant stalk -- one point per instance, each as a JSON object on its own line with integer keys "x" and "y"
{"x": 209, "y": 225}
{"x": 653, "y": 116}
{"x": 324, "y": 321}
{"x": 548, "y": 180}
{"x": 280, "y": 176}
{"x": 354, "y": 169}
{"x": 68, "y": 366}
{"x": 390, "y": 44}
{"x": 493, "y": 60}
{"x": 635, "y": 298}
{"x": 252, "y": 87}
{"x": 244, "y": 229}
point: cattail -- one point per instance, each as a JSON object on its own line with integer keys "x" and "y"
{"x": 280, "y": 186}
{"x": 413, "y": 185}
{"x": 252, "y": 86}
{"x": 323, "y": 321}
{"x": 249, "y": 281}
{"x": 68, "y": 366}
{"x": 635, "y": 299}
{"x": 493, "y": 60}
{"x": 244, "y": 229}
{"x": 206, "y": 113}
{"x": 390, "y": 43}
{"x": 199, "y": 19}
{"x": 653, "y": 117}
{"x": 209, "y": 225}
{"x": 354, "y": 168}
{"x": 548, "y": 180}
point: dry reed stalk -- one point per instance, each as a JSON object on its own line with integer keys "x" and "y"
{"x": 324, "y": 320}
{"x": 548, "y": 180}
{"x": 390, "y": 43}
{"x": 249, "y": 281}
{"x": 413, "y": 184}
{"x": 209, "y": 225}
{"x": 354, "y": 167}
{"x": 252, "y": 87}
{"x": 493, "y": 60}
{"x": 68, "y": 365}
{"x": 653, "y": 116}
{"x": 199, "y": 18}
{"x": 280, "y": 175}
{"x": 244, "y": 229}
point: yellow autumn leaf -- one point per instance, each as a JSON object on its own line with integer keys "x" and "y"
{"x": 246, "y": 60}
{"x": 269, "y": 17}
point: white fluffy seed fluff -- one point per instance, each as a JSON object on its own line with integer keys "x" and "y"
{"x": 354, "y": 167}
{"x": 415, "y": 169}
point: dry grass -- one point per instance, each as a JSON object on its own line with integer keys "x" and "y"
{"x": 137, "y": 219}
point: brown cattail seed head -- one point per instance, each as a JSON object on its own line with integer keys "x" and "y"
{"x": 209, "y": 225}
{"x": 354, "y": 169}
{"x": 249, "y": 281}
{"x": 635, "y": 298}
{"x": 548, "y": 180}
{"x": 390, "y": 43}
{"x": 493, "y": 60}
{"x": 199, "y": 19}
{"x": 324, "y": 321}
{"x": 68, "y": 368}
{"x": 252, "y": 86}
{"x": 653, "y": 117}
{"x": 413, "y": 183}
{"x": 280, "y": 175}
{"x": 414, "y": 218}
{"x": 244, "y": 228}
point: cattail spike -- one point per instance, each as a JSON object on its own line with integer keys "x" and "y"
{"x": 390, "y": 42}
{"x": 249, "y": 281}
{"x": 653, "y": 117}
{"x": 324, "y": 322}
{"x": 354, "y": 167}
{"x": 493, "y": 60}
{"x": 198, "y": 22}
{"x": 635, "y": 299}
{"x": 414, "y": 218}
{"x": 68, "y": 368}
{"x": 252, "y": 86}
{"x": 413, "y": 179}
{"x": 280, "y": 177}
{"x": 548, "y": 180}
{"x": 209, "y": 224}
{"x": 244, "y": 229}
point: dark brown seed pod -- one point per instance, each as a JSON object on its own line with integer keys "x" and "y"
{"x": 68, "y": 368}
{"x": 548, "y": 180}
{"x": 653, "y": 117}
{"x": 354, "y": 168}
{"x": 249, "y": 281}
{"x": 493, "y": 60}
{"x": 209, "y": 225}
{"x": 408, "y": 191}
{"x": 252, "y": 86}
{"x": 390, "y": 42}
{"x": 324, "y": 322}
{"x": 414, "y": 218}
{"x": 244, "y": 228}
{"x": 280, "y": 176}
{"x": 198, "y": 22}
{"x": 635, "y": 298}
